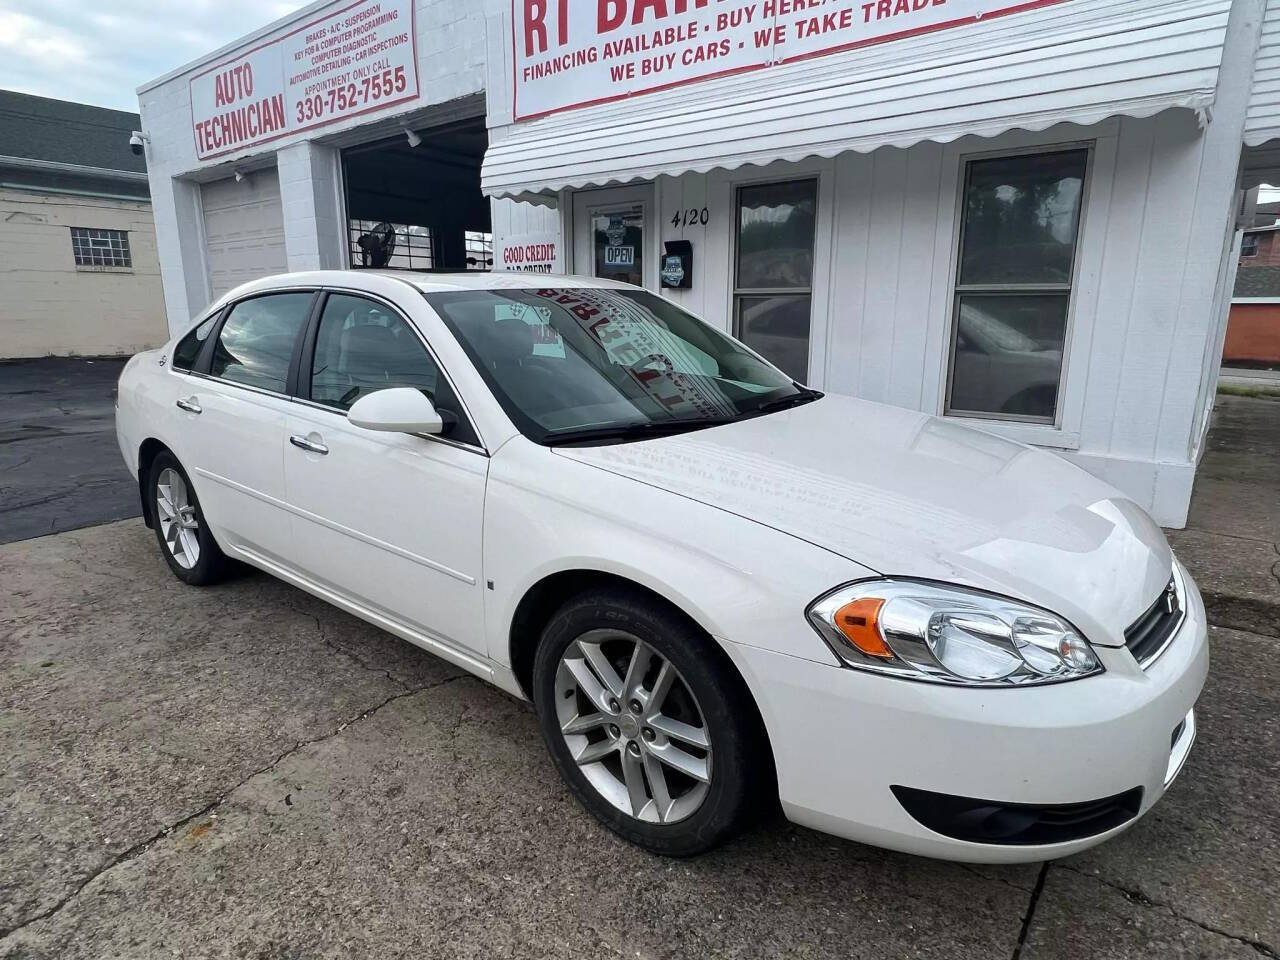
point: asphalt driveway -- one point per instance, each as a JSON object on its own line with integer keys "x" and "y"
{"x": 60, "y": 468}
{"x": 243, "y": 771}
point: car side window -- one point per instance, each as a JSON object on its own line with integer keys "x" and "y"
{"x": 363, "y": 347}
{"x": 188, "y": 348}
{"x": 255, "y": 345}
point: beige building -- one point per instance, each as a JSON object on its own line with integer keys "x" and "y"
{"x": 79, "y": 275}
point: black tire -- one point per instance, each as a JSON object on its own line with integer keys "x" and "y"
{"x": 212, "y": 564}
{"x": 741, "y": 766}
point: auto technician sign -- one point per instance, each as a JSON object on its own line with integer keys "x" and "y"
{"x": 625, "y": 47}
{"x": 350, "y": 61}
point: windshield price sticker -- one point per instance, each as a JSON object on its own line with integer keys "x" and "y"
{"x": 625, "y": 47}
{"x": 630, "y": 342}
{"x": 351, "y": 61}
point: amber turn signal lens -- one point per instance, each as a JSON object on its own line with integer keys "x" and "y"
{"x": 858, "y": 621}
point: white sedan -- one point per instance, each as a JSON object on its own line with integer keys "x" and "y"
{"x": 717, "y": 586}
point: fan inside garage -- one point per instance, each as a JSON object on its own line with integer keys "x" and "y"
{"x": 377, "y": 246}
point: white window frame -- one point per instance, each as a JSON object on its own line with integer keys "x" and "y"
{"x": 1064, "y": 432}
{"x": 737, "y": 292}
{"x": 722, "y": 194}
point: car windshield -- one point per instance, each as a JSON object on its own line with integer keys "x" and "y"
{"x": 581, "y": 365}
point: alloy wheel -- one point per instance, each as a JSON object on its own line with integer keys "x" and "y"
{"x": 633, "y": 726}
{"x": 176, "y": 514}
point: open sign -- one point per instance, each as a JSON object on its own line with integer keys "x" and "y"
{"x": 619, "y": 256}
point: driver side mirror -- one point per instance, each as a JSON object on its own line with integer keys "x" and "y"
{"x": 396, "y": 410}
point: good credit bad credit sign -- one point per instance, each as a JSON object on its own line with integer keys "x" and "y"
{"x": 528, "y": 253}
{"x": 358, "y": 58}
{"x": 617, "y": 48}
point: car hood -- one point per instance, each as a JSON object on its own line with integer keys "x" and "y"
{"x": 907, "y": 494}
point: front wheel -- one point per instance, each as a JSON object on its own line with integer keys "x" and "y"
{"x": 648, "y": 723}
{"x": 188, "y": 546}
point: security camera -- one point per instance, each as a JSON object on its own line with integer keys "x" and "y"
{"x": 137, "y": 140}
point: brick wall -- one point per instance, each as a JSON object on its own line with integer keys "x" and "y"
{"x": 1253, "y": 334}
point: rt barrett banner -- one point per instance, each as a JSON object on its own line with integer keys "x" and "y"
{"x": 356, "y": 59}
{"x": 618, "y": 48}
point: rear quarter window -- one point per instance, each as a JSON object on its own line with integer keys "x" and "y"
{"x": 188, "y": 348}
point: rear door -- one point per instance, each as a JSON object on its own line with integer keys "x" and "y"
{"x": 392, "y": 521}
{"x": 235, "y": 413}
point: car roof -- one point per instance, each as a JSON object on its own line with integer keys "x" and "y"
{"x": 426, "y": 282}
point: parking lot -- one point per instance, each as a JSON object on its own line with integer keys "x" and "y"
{"x": 60, "y": 468}
{"x": 244, "y": 771}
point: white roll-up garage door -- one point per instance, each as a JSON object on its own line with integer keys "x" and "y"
{"x": 244, "y": 229}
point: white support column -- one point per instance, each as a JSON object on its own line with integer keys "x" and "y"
{"x": 311, "y": 195}
{"x": 175, "y": 205}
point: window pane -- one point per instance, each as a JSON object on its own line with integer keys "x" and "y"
{"x": 1021, "y": 215}
{"x": 256, "y": 344}
{"x": 575, "y": 359}
{"x": 1008, "y": 354}
{"x": 775, "y": 234}
{"x": 619, "y": 244}
{"x": 778, "y": 329}
{"x": 361, "y": 348}
{"x": 100, "y": 248}
{"x": 188, "y": 348}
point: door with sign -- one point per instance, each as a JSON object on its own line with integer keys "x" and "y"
{"x": 614, "y": 233}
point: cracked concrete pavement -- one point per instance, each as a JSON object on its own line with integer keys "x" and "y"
{"x": 243, "y": 771}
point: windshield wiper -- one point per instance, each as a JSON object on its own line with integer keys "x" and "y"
{"x": 794, "y": 400}
{"x": 629, "y": 431}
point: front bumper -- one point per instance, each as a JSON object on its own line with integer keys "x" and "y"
{"x": 842, "y": 739}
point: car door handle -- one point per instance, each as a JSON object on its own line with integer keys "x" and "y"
{"x": 302, "y": 443}
{"x": 189, "y": 405}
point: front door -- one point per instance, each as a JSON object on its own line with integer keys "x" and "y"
{"x": 391, "y": 521}
{"x": 615, "y": 235}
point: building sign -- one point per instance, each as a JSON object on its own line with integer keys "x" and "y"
{"x": 348, "y": 62}
{"x": 625, "y": 47}
{"x": 528, "y": 253}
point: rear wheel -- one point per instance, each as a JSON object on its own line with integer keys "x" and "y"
{"x": 648, "y": 723}
{"x": 185, "y": 540}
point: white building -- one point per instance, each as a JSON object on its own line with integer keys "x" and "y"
{"x": 1021, "y": 215}
{"x": 78, "y": 268}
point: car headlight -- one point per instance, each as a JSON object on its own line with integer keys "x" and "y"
{"x": 948, "y": 634}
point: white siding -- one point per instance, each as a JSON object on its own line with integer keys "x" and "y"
{"x": 49, "y": 306}
{"x": 1142, "y": 311}
{"x": 1082, "y": 62}
{"x": 1263, "y": 120}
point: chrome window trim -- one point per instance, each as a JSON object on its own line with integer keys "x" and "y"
{"x": 232, "y": 383}
{"x": 301, "y": 401}
{"x": 333, "y": 411}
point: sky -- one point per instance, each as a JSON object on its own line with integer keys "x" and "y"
{"x": 100, "y": 53}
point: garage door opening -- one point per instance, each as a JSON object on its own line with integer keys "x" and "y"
{"x": 414, "y": 201}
